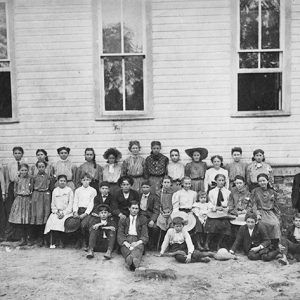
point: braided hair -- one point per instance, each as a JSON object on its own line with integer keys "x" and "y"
{"x": 94, "y": 157}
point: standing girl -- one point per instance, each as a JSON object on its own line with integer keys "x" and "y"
{"x": 156, "y": 166}
{"x": 65, "y": 167}
{"x": 41, "y": 200}
{"x": 42, "y": 155}
{"x": 90, "y": 167}
{"x": 20, "y": 210}
{"x": 113, "y": 169}
{"x": 258, "y": 166}
{"x": 217, "y": 168}
{"x": 62, "y": 208}
{"x": 196, "y": 169}
{"x": 134, "y": 165}
{"x": 2, "y": 199}
{"x": 175, "y": 169}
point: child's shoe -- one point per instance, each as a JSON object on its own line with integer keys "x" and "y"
{"x": 107, "y": 255}
{"x": 53, "y": 246}
{"x": 283, "y": 260}
{"x": 23, "y": 242}
{"x": 61, "y": 244}
{"x": 90, "y": 254}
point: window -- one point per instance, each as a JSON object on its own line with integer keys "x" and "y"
{"x": 122, "y": 59}
{"x": 261, "y": 58}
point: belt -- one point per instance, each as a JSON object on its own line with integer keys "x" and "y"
{"x": 136, "y": 176}
{"x": 198, "y": 178}
{"x": 187, "y": 210}
{"x": 157, "y": 175}
{"x": 23, "y": 195}
{"x": 41, "y": 190}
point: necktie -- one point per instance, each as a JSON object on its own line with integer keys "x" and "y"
{"x": 220, "y": 198}
{"x": 19, "y": 166}
{"x": 133, "y": 218}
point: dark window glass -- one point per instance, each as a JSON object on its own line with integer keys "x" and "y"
{"x": 248, "y": 60}
{"x": 5, "y": 95}
{"x": 259, "y": 91}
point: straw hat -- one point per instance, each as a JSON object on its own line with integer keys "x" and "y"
{"x": 189, "y": 219}
{"x": 239, "y": 220}
{"x": 223, "y": 254}
{"x": 72, "y": 224}
{"x": 203, "y": 152}
{"x": 219, "y": 215}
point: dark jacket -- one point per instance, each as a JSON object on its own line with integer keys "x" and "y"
{"x": 153, "y": 205}
{"x": 296, "y": 192}
{"x": 121, "y": 205}
{"x": 259, "y": 237}
{"x": 290, "y": 234}
{"x": 141, "y": 229}
{"x": 99, "y": 200}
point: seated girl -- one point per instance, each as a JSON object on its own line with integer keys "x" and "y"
{"x": 218, "y": 225}
{"x": 180, "y": 244}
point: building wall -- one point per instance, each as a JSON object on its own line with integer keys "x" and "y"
{"x": 192, "y": 53}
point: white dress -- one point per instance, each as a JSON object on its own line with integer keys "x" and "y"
{"x": 62, "y": 199}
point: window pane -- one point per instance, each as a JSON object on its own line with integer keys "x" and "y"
{"x": 248, "y": 24}
{"x": 134, "y": 83}
{"x": 111, "y": 26}
{"x": 248, "y": 60}
{"x": 270, "y": 13}
{"x": 3, "y": 32}
{"x": 258, "y": 92}
{"x": 5, "y": 95}
{"x": 113, "y": 83}
{"x": 133, "y": 26}
{"x": 269, "y": 60}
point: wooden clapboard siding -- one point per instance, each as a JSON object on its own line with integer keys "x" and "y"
{"x": 191, "y": 64}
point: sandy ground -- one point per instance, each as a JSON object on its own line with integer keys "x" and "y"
{"x": 40, "y": 273}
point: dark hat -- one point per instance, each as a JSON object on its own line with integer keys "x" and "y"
{"x": 103, "y": 206}
{"x": 114, "y": 151}
{"x": 63, "y": 148}
{"x": 104, "y": 183}
{"x": 72, "y": 224}
{"x": 203, "y": 152}
{"x": 125, "y": 177}
{"x": 146, "y": 182}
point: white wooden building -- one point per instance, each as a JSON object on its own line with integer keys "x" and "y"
{"x": 211, "y": 73}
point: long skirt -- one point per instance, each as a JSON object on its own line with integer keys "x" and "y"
{"x": 137, "y": 183}
{"x": 197, "y": 185}
{"x": 2, "y": 215}
{"x": 218, "y": 226}
{"x": 271, "y": 224}
{"x": 40, "y": 207}
{"x": 20, "y": 210}
{"x": 54, "y": 223}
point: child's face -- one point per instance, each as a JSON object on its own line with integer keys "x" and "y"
{"x": 111, "y": 159}
{"x": 18, "y": 155}
{"x": 220, "y": 181}
{"x": 216, "y": 163}
{"x": 250, "y": 223}
{"x": 166, "y": 183}
{"x": 174, "y": 156}
{"x": 155, "y": 149}
{"x": 40, "y": 156}
{"x": 187, "y": 183}
{"x": 202, "y": 199}
{"x": 297, "y": 222}
{"x": 236, "y": 156}
{"x": 259, "y": 157}
{"x": 63, "y": 154}
{"x": 239, "y": 184}
{"x": 196, "y": 156}
{"x": 263, "y": 182}
{"x": 178, "y": 227}
{"x": 135, "y": 149}
{"x": 134, "y": 209}
{"x": 62, "y": 182}
{"x": 104, "y": 190}
{"x": 23, "y": 171}
{"x": 89, "y": 155}
{"x": 103, "y": 214}
{"x": 125, "y": 186}
{"x": 146, "y": 189}
{"x": 41, "y": 167}
{"x": 85, "y": 181}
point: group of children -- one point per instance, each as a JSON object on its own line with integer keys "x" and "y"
{"x": 153, "y": 202}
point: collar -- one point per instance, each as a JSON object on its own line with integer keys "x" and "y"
{"x": 258, "y": 165}
{"x": 146, "y": 195}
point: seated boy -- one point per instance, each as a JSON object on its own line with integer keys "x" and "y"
{"x": 133, "y": 236}
{"x": 292, "y": 241}
{"x": 253, "y": 238}
{"x": 103, "y": 233}
{"x": 180, "y": 245}
{"x": 149, "y": 207}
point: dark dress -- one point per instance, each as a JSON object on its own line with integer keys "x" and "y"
{"x": 296, "y": 192}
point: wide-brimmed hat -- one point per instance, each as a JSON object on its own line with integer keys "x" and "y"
{"x": 239, "y": 220}
{"x": 72, "y": 224}
{"x": 203, "y": 152}
{"x": 189, "y": 219}
{"x": 219, "y": 214}
{"x": 223, "y": 254}
{"x": 103, "y": 206}
{"x": 114, "y": 151}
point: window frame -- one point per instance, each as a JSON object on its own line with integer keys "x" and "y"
{"x": 100, "y": 112}
{"x": 11, "y": 60}
{"x": 284, "y": 56}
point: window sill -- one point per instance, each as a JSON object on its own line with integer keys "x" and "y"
{"x": 8, "y": 120}
{"x": 123, "y": 118}
{"x": 262, "y": 114}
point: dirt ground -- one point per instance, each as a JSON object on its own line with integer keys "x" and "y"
{"x": 41, "y": 273}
